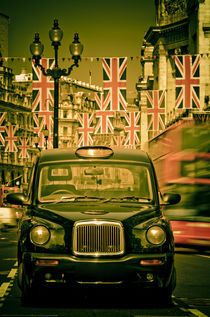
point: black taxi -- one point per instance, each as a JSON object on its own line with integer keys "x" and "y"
{"x": 93, "y": 217}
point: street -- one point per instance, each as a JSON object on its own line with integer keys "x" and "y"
{"x": 191, "y": 296}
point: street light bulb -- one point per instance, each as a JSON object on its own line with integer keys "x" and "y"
{"x": 46, "y": 132}
{"x": 36, "y": 47}
{"x": 36, "y": 139}
{"x": 56, "y": 34}
{"x": 76, "y": 48}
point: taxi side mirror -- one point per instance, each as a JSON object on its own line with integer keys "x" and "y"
{"x": 170, "y": 199}
{"x": 16, "y": 199}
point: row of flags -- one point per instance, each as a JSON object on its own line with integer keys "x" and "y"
{"x": 112, "y": 100}
{"x": 11, "y": 141}
{"x": 104, "y": 125}
{"x": 90, "y": 58}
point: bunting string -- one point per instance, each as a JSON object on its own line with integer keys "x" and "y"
{"x": 91, "y": 58}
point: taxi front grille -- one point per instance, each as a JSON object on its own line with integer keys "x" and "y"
{"x": 97, "y": 238}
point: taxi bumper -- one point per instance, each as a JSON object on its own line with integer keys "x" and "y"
{"x": 150, "y": 271}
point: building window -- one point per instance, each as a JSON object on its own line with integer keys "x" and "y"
{"x": 3, "y": 179}
{"x": 65, "y": 114}
{"x": 65, "y": 130}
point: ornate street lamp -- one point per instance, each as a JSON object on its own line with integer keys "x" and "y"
{"x": 46, "y": 135}
{"x": 37, "y": 48}
{"x": 36, "y": 140}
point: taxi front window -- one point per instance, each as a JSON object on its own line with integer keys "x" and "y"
{"x": 103, "y": 180}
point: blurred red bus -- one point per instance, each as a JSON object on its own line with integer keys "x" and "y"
{"x": 181, "y": 155}
{"x": 4, "y": 190}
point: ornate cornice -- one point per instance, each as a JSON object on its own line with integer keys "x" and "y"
{"x": 155, "y": 33}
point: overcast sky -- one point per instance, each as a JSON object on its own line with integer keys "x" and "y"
{"x": 110, "y": 28}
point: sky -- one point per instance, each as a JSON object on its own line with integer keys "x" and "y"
{"x": 110, "y": 28}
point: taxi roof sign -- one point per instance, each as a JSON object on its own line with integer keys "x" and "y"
{"x": 94, "y": 152}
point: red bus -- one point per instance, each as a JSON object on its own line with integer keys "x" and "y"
{"x": 4, "y": 190}
{"x": 181, "y": 156}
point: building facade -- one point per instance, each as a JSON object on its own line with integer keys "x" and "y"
{"x": 4, "y": 25}
{"x": 16, "y": 129}
{"x": 181, "y": 35}
{"x": 76, "y": 98}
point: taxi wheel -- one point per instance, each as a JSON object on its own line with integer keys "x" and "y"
{"x": 26, "y": 286}
{"x": 164, "y": 297}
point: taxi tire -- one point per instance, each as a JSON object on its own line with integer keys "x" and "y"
{"x": 164, "y": 295}
{"x": 26, "y": 286}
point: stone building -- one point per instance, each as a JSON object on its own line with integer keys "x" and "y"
{"x": 4, "y": 24}
{"x": 16, "y": 129}
{"x": 76, "y": 97}
{"x": 182, "y": 28}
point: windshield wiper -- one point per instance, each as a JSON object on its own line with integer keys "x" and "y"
{"x": 136, "y": 198}
{"x": 104, "y": 200}
{"x": 75, "y": 198}
{"x": 88, "y": 197}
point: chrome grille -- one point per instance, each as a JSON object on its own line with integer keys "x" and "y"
{"x": 98, "y": 238}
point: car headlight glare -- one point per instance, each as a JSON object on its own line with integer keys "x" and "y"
{"x": 39, "y": 235}
{"x": 156, "y": 235}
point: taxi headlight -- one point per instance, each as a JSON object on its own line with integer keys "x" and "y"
{"x": 39, "y": 235}
{"x": 156, "y": 235}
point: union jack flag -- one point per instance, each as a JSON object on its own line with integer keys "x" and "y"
{"x": 187, "y": 81}
{"x": 156, "y": 100}
{"x": 132, "y": 129}
{"x": 42, "y": 119}
{"x": 11, "y": 139}
{"x": 86, "y": 129}
{"x": 104, "y": 121}
{"x": 43, "y": 100}
{"x": 114, "y": 82}
{"x": 102, "y": 101}
{"x": 104, "y": 118}
{"x": 118, "y": 141}
{"x": 2, "y": 128}
{"x": 23, "y": 147}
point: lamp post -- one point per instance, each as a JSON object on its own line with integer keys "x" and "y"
{"x": 36, "y": 140}
{"x": 37, "y": 48}
{"x": 46, "y": 135}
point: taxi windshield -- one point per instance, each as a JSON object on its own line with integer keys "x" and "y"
{"x": 95, "y": 181}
